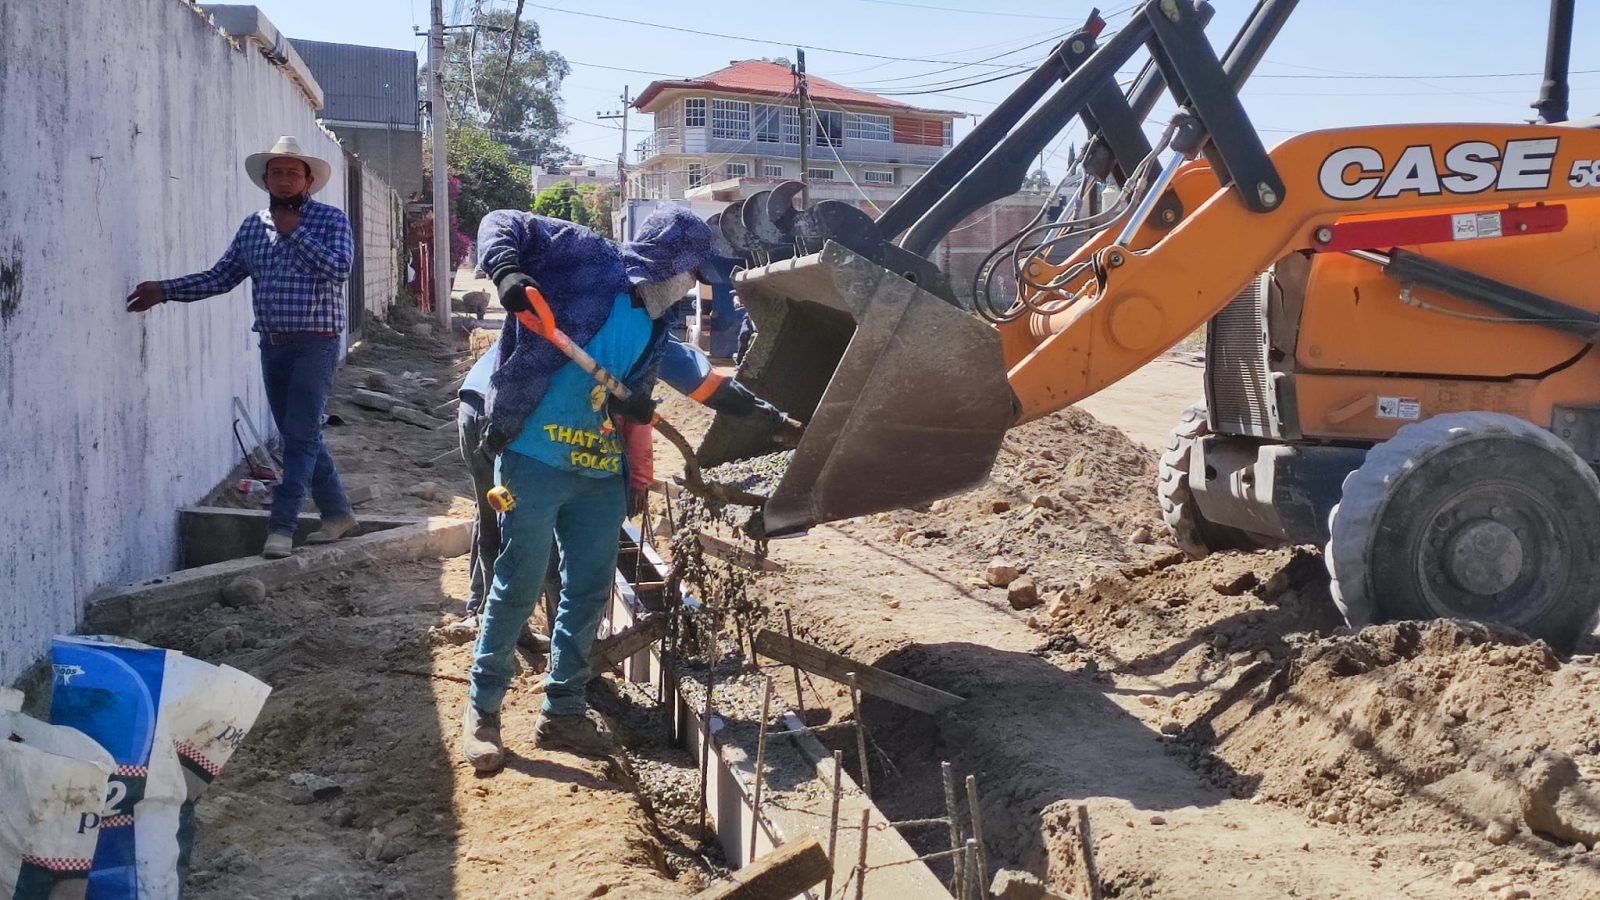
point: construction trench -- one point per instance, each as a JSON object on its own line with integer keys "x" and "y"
{"x": 1132, "y": 724}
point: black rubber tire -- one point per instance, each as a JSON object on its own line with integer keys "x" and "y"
{"x": 1400, "y": 535}
{"x": 1194, "y": 535}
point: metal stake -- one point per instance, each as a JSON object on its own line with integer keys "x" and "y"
{"x": 955, "y": 825}
{"x": 761, "y": 759}
{"x": 981, "y": 859}
{"x": 861, "y": 736}
{"x": 799, "y": 695}
{"x": 705, "y": 737}
{"x": 833, "y": 820}
{"x": 861, "y": 860}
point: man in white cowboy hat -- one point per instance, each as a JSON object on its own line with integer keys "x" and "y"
{"x": 297, "y": 253}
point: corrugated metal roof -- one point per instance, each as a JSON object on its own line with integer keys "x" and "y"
{"x": 363, "y": 84}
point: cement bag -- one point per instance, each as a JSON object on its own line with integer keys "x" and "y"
{"x": 170, "y": 722}
{"x": 53, "y": 784}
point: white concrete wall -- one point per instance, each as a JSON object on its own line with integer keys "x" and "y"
{"x": 121, "y": 145}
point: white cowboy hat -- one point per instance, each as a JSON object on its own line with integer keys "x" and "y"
{"x": 288, "y": 146}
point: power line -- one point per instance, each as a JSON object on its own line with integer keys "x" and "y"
{"x": 977, "y": 12}
{"x": 865, "y": 85}
{"x": 591, "y": 65}
{"x": 736, "y": 37}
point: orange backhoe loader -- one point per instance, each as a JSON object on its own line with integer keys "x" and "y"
{"x": 1400, "y": 326}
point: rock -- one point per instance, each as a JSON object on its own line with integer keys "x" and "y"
{"x": 395, "y": 891}
{"x": 1380, "y": 799}
{"x": 1000, "y": 573}
{"x": 1158, "y": 820}
{"x": 422, "y": 329}
{"x": 429, "y": 490}
{"x": 376, "y": 841}
{"x": 1235, "y": 585}
{"x": 1056, "y": 605}
{"x": 1141, "y": 535}
{"x": 343, "y": 817}
{"x": 243, "y": 591}
{"x": 1556, "y": 802}
{"x": 363, "y": 493}
{"x": 233, "y": 858}
{"x": 372, "y": 400}
{"x": 1014, "y": 884}
{"x": 414, "y": 417}
{"x": 997, "y": 506}
{"x": 379, "y": 382}
{"x": 1500, "y": 831}
{"x": 894, "y": 604}
{"x": 1023, "y": 593}
{"x": 317, "y": 786}
{"x": 1462, "y": 873}
{"x": 1045, "y": 501}
{"x": 229, "y": 637}
{"x": 1149, "y": 699}
{"x": 1513, "y": 892}
{"x": 1171, "y": 728}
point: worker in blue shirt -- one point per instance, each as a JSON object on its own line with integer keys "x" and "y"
{"x": 297, "y": 253}
{"x": 561, "y": 451}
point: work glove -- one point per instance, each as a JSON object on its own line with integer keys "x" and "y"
{"x": 787, "y": 432}
{"x": 639, "y": 407}
{"x": 735, "y": 399}
{"x": 513, "y": 287}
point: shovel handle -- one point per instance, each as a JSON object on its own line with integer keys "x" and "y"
{"x": 541, "y": 320}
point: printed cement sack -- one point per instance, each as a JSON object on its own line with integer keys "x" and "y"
{"x": 53, "y": 783}
{"x": 170, "y": 722}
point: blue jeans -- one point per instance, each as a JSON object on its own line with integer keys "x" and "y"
{"x": 299, "y": 374}
{"x": 584, "y": 516}
{"x": 470, "y": 422}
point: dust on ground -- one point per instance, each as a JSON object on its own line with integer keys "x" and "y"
{"x": 1211, "y": 722}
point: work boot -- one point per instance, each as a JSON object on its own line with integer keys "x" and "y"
{"x": 278, "y": 546}
{"x": 584, "y": 734}
{"x": 533, "y": 641}
{"x": 480, "y": 739}
{"x": 332, "y": 530}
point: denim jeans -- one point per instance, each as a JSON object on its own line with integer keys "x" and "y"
{"x": 584, "y": 516}
{"x": 470, "y": 422}
{"x": 299, "y": 374}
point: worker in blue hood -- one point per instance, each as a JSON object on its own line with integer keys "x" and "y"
{"x": 562, "y": 443}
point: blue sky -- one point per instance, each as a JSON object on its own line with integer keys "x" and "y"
{"x": 1318, "y": 75}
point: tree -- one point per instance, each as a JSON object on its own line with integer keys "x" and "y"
{"x": 1039, "y": 181}
{"x": 489, "y": 179}
{"x": 598, "y": 199}
{"x": 519, "y": 105}
{"x": 562, "y": 201}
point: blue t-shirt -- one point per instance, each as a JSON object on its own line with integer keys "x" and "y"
{"x": 568, "y": 429}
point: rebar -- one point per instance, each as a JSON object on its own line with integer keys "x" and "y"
{"x": 761, "y": 760}
{"x": 861, "y": 736}
{"x": 833, "y": 820}
{"x": 705, "y": 737}
{"x": 955, "y": 824}
{"x": 799, "y": 694}
{"x": 861, "y": 860}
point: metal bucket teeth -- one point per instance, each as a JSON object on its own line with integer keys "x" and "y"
{"x": 904, "y": 396}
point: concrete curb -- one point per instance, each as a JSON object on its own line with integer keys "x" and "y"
{"x": 161, "y": 601}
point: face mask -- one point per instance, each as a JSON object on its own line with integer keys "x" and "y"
{"x": 658, "y": 297}
{"x": 288, "y": 204}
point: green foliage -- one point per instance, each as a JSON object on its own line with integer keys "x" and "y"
{"x": 597, "y": 199}
{"x": 587, "y": 204}
{"x": 518, "y": 104}
{"x": 489, "y": 179}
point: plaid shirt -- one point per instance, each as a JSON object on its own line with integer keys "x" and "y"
{"x": 297, "y": 278}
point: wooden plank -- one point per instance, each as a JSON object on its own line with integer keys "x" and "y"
{"x": 618, "y": 647}
{"x": 736, "y": 555}
{"x": 786, "y": 872}
{"x": 871, "y": 680}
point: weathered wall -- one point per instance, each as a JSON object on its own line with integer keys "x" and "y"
{"x": 395, "y": 153}
{"x": 382, "y": 240}
{"x": 121, "y": 148}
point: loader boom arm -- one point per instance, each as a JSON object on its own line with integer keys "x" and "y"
{"x": 1138, "y": 300}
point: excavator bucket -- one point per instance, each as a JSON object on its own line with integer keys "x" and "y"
{"x": 904, "y": 395}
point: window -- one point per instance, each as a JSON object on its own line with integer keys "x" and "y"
{"x": 730, "y": 119}
{"x": 771, "y": 171}
{"x": 949, "y": 133}
{"x": 694, "y": 112}
{"x": 923, "y": 132}
{"x": 768, "y": 119}
{"x": 876, "y": 176}
{"x": 736, "y": 170}
{"x": 819, "y": 174}
{"x": 828, "y": 127}
{"x": 697, "y": 174}
{"x": 864, "y": 127}
{"x": 791, "y": 125}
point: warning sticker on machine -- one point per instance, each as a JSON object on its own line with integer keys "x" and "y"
{"x": 1471, "y": 226}
{"x": 1408, "y": 408}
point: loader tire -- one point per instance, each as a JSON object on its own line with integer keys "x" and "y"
{"x": 1193, "y": 534}
{"x": 1473, "y": 515}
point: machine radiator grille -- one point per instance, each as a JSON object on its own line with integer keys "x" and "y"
{"x": 1239, "y": 385}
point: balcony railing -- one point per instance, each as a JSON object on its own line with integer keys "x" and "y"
{"x": 696, "y": 141}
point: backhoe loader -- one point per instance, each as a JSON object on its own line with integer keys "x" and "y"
{"x": 1400, "y": 325}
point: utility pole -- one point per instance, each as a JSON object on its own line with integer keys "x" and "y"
{"x": 622, "y": 158}
{"x": 800, "y": 87}
{"x": 437, "y": 114}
